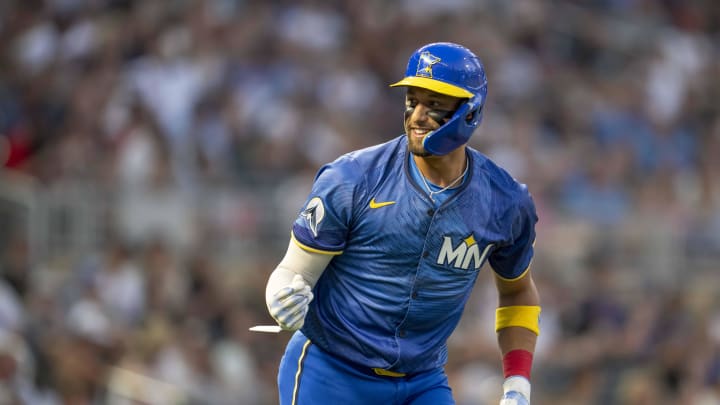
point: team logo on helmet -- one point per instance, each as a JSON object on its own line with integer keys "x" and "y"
{"x": 425, "y": 64}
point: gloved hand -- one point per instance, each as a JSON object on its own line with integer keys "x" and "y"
{"x": 516, "y": 391}
{"x": 289, "y": 305}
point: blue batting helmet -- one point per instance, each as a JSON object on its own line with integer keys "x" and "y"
{"x": 453, "y": 70}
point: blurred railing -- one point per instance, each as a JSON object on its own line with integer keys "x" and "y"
{"x": 70, "y": 219}
{"x": 252, "y": 221}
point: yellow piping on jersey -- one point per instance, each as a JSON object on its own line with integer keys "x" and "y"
{"x": 299, "y": 370}
{"x": 313, "y": 250}
{"x": 523, "y": 274}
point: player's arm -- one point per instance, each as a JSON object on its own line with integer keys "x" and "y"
{"x": 517, "y": 326}
{"x": 289, "y": 288}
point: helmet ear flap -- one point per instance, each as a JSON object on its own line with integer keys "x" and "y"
{"x": 472, "y": 116}
{"x": 458, "y": 130}
{"x": 475, "y": 107}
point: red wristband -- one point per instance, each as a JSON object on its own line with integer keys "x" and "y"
{"x": 517, "y": 362}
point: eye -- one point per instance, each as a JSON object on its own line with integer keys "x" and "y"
{"x": 440, "y": 116}
{"x": 411, "y": 103}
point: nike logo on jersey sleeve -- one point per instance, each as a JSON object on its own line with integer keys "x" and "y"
{"x": 374, "y": 204}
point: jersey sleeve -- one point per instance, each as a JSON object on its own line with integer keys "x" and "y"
{"x": 324, "y": 221}
{"x": 512, "y": 261}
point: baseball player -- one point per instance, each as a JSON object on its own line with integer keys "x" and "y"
{"x": 386, "y": 250}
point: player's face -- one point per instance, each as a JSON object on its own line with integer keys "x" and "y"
{"x": 425, "y": 111}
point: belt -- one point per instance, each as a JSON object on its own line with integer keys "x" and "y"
{"x": 368, "y": 370}
{"x": 387, "y": 373}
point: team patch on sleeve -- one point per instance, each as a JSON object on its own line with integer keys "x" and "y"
{"x": 308, "y": 234}
{"x": 313, "y": 214}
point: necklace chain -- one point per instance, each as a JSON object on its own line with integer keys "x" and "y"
{"x": 431, "y": 193}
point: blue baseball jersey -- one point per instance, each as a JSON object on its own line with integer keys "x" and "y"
{"x": 403, "y": 269}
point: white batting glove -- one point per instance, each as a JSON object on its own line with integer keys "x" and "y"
{"x": 516, "y": 391}
{"x": 289, "y": 305}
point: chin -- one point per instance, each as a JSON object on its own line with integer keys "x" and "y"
{"x": 418, "y": 151}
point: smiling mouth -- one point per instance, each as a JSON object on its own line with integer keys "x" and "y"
{"x": 420, "y": 132}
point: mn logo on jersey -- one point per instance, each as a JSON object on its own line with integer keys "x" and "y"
{"x": 467, "y": 252}
{"x": 314, "y": 213}
{"x": 425, "y": 64}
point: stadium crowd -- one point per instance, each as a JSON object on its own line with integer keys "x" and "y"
{"x": 153, "y": 155}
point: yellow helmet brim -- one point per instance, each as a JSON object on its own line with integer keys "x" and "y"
{"x": 434, "y": 85}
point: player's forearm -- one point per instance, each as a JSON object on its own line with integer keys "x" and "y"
{"x": 517, "y": 315}
{"x": 296, "y": 261}
{"x": 518, "y": 346}
{"x": 515, "y": 337}
{"x": 527, "y": 300}
{"x": 517, "y": 326}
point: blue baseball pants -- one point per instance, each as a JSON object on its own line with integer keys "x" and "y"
{"x": 310, "y": 376}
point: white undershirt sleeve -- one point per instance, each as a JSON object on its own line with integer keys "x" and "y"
{"x": 309, "y": 265}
